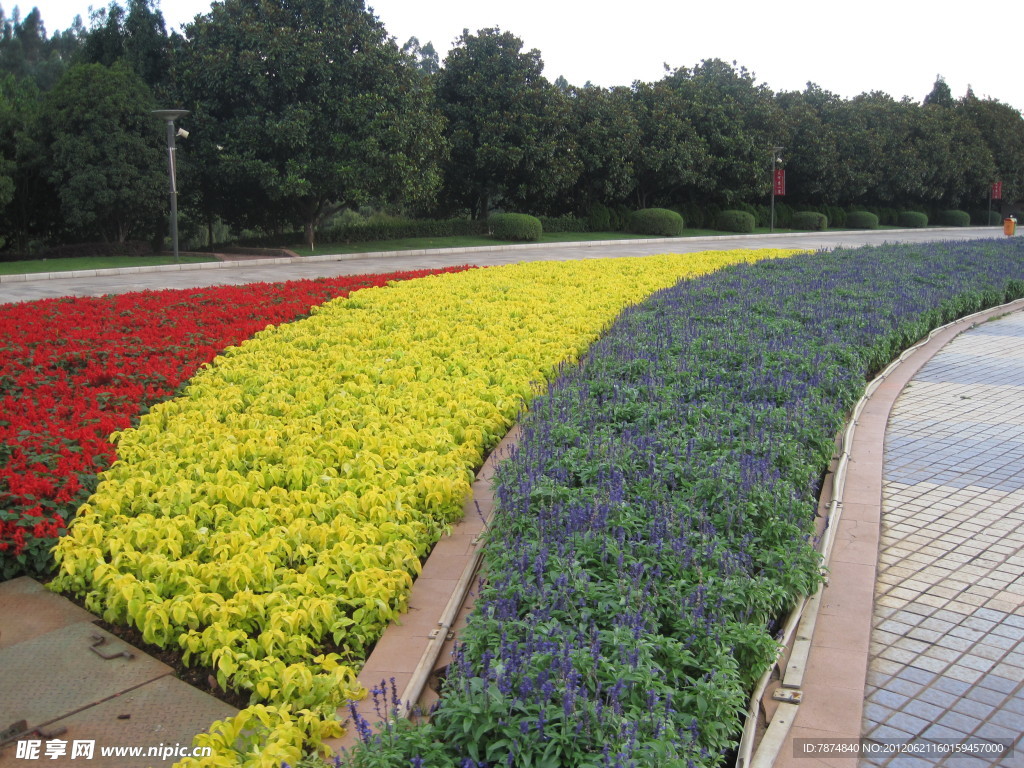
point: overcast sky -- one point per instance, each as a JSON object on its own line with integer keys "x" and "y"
{"x": 846, "y": 48}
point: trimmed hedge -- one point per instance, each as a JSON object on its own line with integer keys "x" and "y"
{"x": 564, "y": 224}
{"x": 809, "y": 220}
{"x": 913, "y": 219}
{"x": 979, "y": 217}
{"x": 515, "y": 226}
{"x": 861, "y": 220}
{"x": 78, "y": 250}
{"x": 655, "y": 221}
{"x": 734, "y": 221}
{"x": 836, "y": 215}
{"x": 954, "y": 218}
{"x": 377, "y": 228}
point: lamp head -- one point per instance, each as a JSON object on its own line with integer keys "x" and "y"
{"x": 170, "y": 114}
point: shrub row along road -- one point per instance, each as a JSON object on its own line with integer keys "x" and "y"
{"x": 190, "y": 276}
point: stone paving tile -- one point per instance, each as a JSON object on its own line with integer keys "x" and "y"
{"x": 948, "y": 633}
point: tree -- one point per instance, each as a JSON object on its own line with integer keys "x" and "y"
{"x": 940, "y": 94}
{"x": 135, "y": 35}
{"x": 507, "y": 126}
{"x": 608, "y": 138}
{"x": 958, "y": 164}
{"x": 874, "y": 135}
{"x": 1001, "y": 129}
{"x": 671, "y": 161}
{"x": 425, "y": 57}
{"x": 27, "y": 53}
{"x": 105, "y": 153}
{"x": 737, "y": 119}
{"x": 302, "y": 108}
{"x": 8, "y": 164}
{"x": 27, "y": 201}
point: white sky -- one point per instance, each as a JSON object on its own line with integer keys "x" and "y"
{"x": 846, "y": 48}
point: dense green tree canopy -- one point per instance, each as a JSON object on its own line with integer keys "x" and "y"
{"x": 106, "y": 160}
{"x": 607, "y": 134}
{"x": 738, "y": 121}
{"x": 672, "y": 163}
{"x": 27, "y": 52}
{"x": 301, "y": 108}
{"x": 507, "y": 125}
{"x": 1001, "y": 129}
{"x": 135, "y": 35}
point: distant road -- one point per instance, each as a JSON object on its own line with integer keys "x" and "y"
{"x": 18, "y": 288}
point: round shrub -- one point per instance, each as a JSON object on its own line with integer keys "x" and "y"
{"x": 836, "y": 216}
{"x": 810, "y": 220}
{"x": 983, "y": 218}
{"x": 913, "y": 220}
{"x": 954, "y": 218}
{"x": 861, "y": 220}
{"x": 655, "y": 221}
{"x": 734, "y": 221}
{"x": 515, "y": 226}
{"x": 783, "y": 215}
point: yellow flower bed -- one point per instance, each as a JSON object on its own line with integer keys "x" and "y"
{"x": 284, "y": 501}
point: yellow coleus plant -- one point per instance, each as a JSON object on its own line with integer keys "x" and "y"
{"x": 285, "y": 501}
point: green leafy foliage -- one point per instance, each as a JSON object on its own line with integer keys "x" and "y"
{"x": 986, "y": 217}
{"x": 861, "y": 220}
{"x": 507, "y": 125}
{"x": 810, "y": 220}
{"x": 608, "y": 138}
{"x": 656, "y": 221}
{"x": 136, "y": 36}
{"x": 672, "y": 159}
{"x": 515, "y": 226}
{"x": 106, "y": 158}
{"x": 735, "y": 221}
{"x": 913, "y": 219}
{"x": 954, "y": 218}
{"x": 301, "y": 109}
{"x": 736, "y": 119}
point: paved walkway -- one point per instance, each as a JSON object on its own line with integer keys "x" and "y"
{"x": 21, "y": 288}
{"x": 920, "y": 641}
{"x": 948, "y": 637}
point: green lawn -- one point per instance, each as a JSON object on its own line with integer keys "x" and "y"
{"x": 91, "y": 262}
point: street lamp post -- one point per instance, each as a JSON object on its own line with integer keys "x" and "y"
{"x": 775, "y": 161}
{"x": 169, "y": 116}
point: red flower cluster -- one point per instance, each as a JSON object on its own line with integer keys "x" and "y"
{"x": 74, "y": 370}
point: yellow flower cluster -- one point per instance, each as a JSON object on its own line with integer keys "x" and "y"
{"x": 285, "y": 501}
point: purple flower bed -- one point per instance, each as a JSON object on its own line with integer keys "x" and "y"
{"x": 656, "y": 520}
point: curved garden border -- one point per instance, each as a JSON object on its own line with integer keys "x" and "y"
{"x": 795, "y": 686}
{"x": 409, "y": 653}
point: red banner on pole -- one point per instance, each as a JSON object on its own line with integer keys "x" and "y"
{"x": 780, "y": 182}
{"x": 997, "y": 191}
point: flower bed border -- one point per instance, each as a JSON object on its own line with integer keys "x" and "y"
{"x": 763, "y": 742}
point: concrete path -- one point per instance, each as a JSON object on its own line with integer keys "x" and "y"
{"x": 95, "y": 282}
{"x": 81, "y": 692}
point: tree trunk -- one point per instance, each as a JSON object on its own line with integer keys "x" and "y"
{"x": 310, "y": 233}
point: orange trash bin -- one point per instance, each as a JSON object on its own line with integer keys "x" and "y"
{"x": 1009, "y": 226}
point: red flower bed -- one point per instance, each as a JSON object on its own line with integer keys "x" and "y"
{"x": 74, "y": 370}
